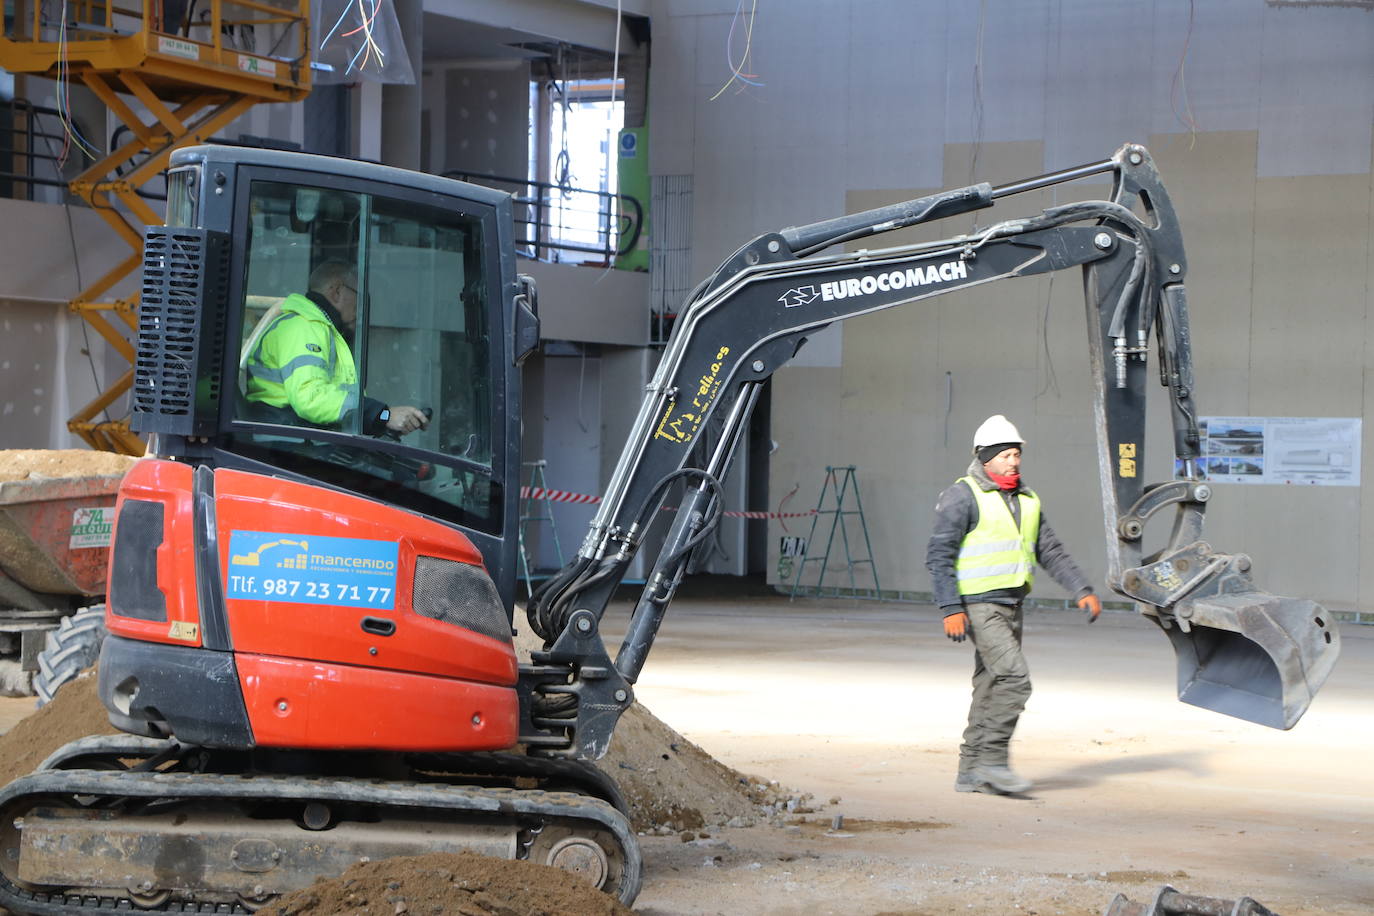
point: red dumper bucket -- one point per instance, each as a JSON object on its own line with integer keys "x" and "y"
{"x": 54, "y": 548}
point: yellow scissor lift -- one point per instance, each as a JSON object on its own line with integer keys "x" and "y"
{"x": 179, "y": 60}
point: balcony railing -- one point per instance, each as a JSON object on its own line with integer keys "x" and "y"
{"x": 557, "y": 223}
{"x": 30, "y": 142}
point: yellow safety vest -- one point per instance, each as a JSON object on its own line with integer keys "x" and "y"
{"x": 995, "y": 555}
{"x": 304, "y": 364}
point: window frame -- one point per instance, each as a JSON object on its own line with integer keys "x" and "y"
{"x": 235, "y": 431}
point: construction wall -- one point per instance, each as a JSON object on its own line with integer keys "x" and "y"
{"x": 1259, "y": 116}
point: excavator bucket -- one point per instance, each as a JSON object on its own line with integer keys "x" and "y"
{"x": 1252, "y": 655}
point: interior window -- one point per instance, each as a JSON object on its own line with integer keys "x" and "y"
{"x": 360, "y": 310}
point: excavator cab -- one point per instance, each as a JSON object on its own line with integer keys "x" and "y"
{"x": 435, "y": 315}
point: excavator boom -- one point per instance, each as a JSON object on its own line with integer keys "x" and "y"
{"x": 1240, "y": 650}
{"x": 309, "y": 622}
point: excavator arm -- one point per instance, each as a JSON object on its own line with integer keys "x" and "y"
{"x": 1241, "y": 651}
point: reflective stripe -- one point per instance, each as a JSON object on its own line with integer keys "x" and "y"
{"x": 268, "y": 374}
{"x": 986, "y": 547}
{"x": 980, "y": 572}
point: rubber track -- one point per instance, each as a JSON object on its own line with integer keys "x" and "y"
{"x": 523, "y": 804}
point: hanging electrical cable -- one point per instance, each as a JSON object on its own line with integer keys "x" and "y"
{"x": 63, "y": 94}
{"x": 737, "y": 70}
{"x": 1178, "y": 89}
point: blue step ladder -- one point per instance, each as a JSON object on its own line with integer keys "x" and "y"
{"x": 536, "y": 510}
{"x": 840, "y": 485}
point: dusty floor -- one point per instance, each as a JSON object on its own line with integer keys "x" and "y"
{"x": 865, "y": 701}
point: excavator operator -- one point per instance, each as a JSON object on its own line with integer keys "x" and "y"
{"x": 301, "y": 371}
{"x": 989, "y": 535}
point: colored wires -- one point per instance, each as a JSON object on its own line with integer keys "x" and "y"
{"x": 1178, "y": 89}
{"x": 737, "y": 70}
{"x": 370, "y": 49}
{"x": 64, "y": 102}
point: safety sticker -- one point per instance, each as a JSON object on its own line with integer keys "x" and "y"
{"x": 92, "y": 527}
{"x": 309, "y": 569}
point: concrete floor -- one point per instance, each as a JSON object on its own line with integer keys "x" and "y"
{"x": 866, "y": 701}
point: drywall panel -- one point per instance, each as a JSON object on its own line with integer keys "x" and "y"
{"x": 997, "y": 59}
{"x": 1098, "y": 83}
{"x": 1207, "y": 63}
{"x": 672, "y": 101}
{"x": 49, "y": 369}
{"x": 589, "y": 303}
{"x": 487, "y": 123}
{"x": 1316, "y": 90}
{"x": 895, "y": 92}
{"x": 572, "y": 448}
{"x": 1211, "y": 182}
{"x": 52, "y": 252}
{"x": 1310, "y": 296}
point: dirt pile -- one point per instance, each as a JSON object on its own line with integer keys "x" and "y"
{"x": 448, "y": 884}
{"x": 75, "y": 712}
{"x": 671, "y": 784}
{"x": 23, "y": 463}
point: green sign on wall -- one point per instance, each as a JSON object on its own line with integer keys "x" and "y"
{"x": 633, "y": 172}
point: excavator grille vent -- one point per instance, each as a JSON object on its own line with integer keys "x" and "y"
{"x": 460, "y": 594}
{"x": 181, "y": 324}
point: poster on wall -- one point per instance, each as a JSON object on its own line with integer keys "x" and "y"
{"x": 1322, "y": 451}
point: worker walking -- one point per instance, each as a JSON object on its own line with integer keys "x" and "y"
{"x": 989, "y": 534}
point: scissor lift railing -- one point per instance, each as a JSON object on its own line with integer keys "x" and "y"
{"x": 191, "y": 79}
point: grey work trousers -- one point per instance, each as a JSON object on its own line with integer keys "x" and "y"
{"x": 1001, "y": 684}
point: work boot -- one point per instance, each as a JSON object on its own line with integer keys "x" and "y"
{"x": 1001, "y": 778}
{"x": 965, "y": 782}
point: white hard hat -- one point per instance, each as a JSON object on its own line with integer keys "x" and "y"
{"x": 996, "y": 430}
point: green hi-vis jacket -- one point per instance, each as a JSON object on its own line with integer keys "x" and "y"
{"x": 995, "y": 554}
{"x": 303, "y": 363}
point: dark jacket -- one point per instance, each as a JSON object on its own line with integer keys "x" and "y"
{"x": 956, "y": 514}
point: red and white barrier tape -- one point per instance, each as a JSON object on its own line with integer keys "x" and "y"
{"x": 567, "y": 496}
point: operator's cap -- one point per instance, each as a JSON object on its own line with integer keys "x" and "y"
{"x": 996, "y": 435}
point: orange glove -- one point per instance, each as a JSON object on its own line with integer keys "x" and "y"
{"x": 1092, "y": 604}
{"x": 956, "y": 626}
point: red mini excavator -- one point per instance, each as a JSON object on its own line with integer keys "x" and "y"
{"x": 310, "y": 623}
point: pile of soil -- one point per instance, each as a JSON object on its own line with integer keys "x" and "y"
{"x": 23, "y": 463}
{"x": 671, "y": 785}
{"x": 75, "y": 712}
{"x": 448, "y": 884}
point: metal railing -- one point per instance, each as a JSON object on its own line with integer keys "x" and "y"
{"x": 29, "y": 149}
{"x": 558, "y": 223}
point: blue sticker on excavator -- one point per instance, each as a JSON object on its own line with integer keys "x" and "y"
{"x": 310, "y": 569}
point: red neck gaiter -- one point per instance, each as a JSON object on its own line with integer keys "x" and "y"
{"x": 1005, "y": 481}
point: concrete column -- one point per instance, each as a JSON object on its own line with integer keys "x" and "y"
{"x": 401, "y": 103}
